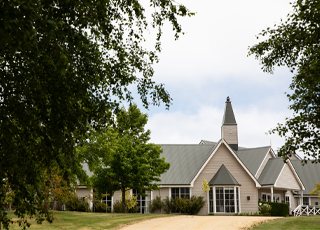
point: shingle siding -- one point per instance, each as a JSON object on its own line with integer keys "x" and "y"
{"x": 247, "y": 188}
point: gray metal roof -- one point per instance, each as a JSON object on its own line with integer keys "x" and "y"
{"x": 185, "y": 161}
{"x": 223, "y": 177}
{"x": 271, "y": 171}
{"x": 228, "y": 117}
{"x": 253, "y": 157}
{"x": 308, "y": 174}
{"x": 204, "y": 142}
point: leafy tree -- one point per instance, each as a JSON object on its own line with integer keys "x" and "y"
{"x": 295, "y": 43}
{"x": 121, "y": 157}
{"x": 64, "y": 65}
{"x": 316, "y": 190}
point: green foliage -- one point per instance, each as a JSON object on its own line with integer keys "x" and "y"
{"x": 295, "y": 44}
{"x": 190, "y": 206}
{"x": 64, "y": 65}
{"x": 169, "y": 205}
{"x": 264, "y": 208}
{"x": 100, "y": 207}
{"x": 197, "y": 202}
{"x": 121, "y": 157}
{"x": 156, "y": 204}
{"x": 277, "y": 209}
{"x": 117, "y": 208}
{"x": 205, "y": 187}
{"x": 316, "y": 190}
{"x": 76, "y": 204}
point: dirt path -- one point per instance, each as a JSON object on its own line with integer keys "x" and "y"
{"x": 200, "y": 222}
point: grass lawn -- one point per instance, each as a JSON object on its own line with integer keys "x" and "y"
{"x": 87, "y": 220}
{"x": 301, "y": 222}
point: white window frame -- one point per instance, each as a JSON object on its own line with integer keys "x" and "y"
{"x": 235, "y": 199}
{"x": 268, "y": 197}
{"x": 287, "y": 202}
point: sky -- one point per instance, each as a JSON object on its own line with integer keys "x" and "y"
{"x": 209, "y": 63}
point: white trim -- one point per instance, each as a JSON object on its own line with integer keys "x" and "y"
{"x": 111, "y": 203}
{"x": 169, "y": 192}
{"x": 208, "y": 202}
{"x": 222, "y": 141}
{"x": 264, "y": 160}
{"x": 176, "y": 186}
{"x": 151, "y": 195}
{"x": 190, "y": 192}
{"x": 239, "y": 199}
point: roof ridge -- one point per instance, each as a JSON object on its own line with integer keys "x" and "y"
{"x": 267, "y": 146}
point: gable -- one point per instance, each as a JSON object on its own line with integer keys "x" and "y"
{"x": 223, "y": 177}
{"x": 223, "y": 154}
{"x": 271, "y": 171}
{"x": 287, "y": 179}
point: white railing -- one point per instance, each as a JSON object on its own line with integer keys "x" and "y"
{"x": 306, "y": 210}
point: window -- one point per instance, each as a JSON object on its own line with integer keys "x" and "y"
{"x": 264, "y": 197}
{"x": 267, "y": 197}
{"x": 107, "y": 199}
{"x": 287, "y": 201}
{"x": 276, "y": 198}
{"x": 180, "y": 192}
{"x": 224, "y": 199}
{"x": 143, "y": 201}
{"x": 230, "y": 131}
{"x": 305, "y": 200}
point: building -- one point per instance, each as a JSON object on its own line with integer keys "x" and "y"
{"x": 238, "y": 177}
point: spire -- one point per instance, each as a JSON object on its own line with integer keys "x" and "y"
{"x": 229, "y": 130}
{"x": 228, "y": 117}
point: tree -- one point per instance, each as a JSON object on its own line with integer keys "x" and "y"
{"x": 64, "y": 65}
{"x": 295, "y": 43}
{"x": 316, "y": 190}
{"x": 121, "y": 157}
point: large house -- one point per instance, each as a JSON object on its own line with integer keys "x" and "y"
{"x": 238, "y": 177}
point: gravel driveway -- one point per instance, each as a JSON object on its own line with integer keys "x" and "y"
{"x": 200, "y": 222}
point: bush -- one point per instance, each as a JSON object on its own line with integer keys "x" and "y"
{"x": 117, "y": 207}
{"x": 182, "y": 205}
{"x": 191, "y": 206}
{"x": 277, "y": 209}
{"x": 76, "y": 204}
{"x": 197, "y": 202}
{"x": 156, "y": 204}
{"x": 169, "y": 205}
{"x": 100, "y": 207}
{"x": 264, "y": 208}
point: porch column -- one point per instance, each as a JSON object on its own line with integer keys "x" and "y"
{"x": 301, "y": 199}
{"x": 271, "y": 193}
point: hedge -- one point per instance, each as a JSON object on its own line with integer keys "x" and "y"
{"x": 277, "y": 209}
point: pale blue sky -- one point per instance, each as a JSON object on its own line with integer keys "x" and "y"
{"x": 209, "y": 63}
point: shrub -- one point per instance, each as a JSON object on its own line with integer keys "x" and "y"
{"x": 182, "y": 205}
{"x": 76, "y": 204}
{"x": 117, "y": 207}
{"x": 264, "y": 208}
{"x": 169, "y": 205}
{"x": 100, "y": 207}
{"x": 197, "y": 202}
{"x": 277, "y": 209}
{"x": 191, "y": 206}
{"x": 156, "y": 204}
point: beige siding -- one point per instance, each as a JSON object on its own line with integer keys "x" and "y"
{"x": 247, "y": 188}
{"x": 116, "y": 196}
{"x": 287, "y": 179}
{"x": 314, "y": 200}
{"x": 231, "y": 138}
{"x": 83, "y": 192}
{"x": 163, "y": 193}
{"x": 263, "y": 164}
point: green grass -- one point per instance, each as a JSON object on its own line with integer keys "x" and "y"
{"x": 87, "y": 220}
{"x": 301, "y": 222}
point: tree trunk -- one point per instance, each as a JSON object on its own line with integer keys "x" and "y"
{"x": 124, "y": 200}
